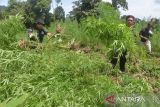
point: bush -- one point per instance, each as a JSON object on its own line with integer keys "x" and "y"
{"x": 8, "y": 30}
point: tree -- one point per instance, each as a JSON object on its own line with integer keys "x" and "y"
{"x": 120, "y": 3}
{"x": 155, "y": 23}
{"x": 37, "y": 9}
{"x": 75, "y": 13}
{"x": 40, "y": 7}
{"x": 3, "y": 8}
{"x": 59, "y": 14}
{"x": 58, "y": 2}
{"x": 84, "y": 8}
{"x": 2, "y": 12}
{"x": 31, "y": 10}
{"x": 16, "y": 6}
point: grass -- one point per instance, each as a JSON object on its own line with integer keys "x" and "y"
{"x": 56, "y": 76}
{"x": 78, "y": 79}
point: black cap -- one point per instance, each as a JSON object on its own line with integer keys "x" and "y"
{"x": 40, "y": 21}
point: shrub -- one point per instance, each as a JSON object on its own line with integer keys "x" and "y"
{"x": 8, "y": 30}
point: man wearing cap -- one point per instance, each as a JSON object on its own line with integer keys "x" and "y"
{"x": 41, "y": 31}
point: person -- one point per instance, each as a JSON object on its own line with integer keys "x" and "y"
{"x": 130, "y": 23}
{"x": 31, "y": 35}
{"x": 41, "y": 32}
{"x": 145, "y": 34}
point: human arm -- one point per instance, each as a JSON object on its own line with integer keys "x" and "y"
{"x": 141, "y": 33}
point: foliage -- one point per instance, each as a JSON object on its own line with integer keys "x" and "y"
{"x": 155, "y": 23}
{"x": 31, "y": 10}
{"x": 155, "y": 41}
{"x": 55, "y": 76}
{"x": 3, "y": 15}
{"x": 8, "y": 30}
{"x": 67, "y": 80}
{"x": 16, "y": 6}
{"x": 59, "y": 14}
{"x": 39, "y": 9}
{"x": 112, "y": 33}
{"x": 120, "y": 3}
{"x": 14, "y": 102}
{"x": 118, "y": 40}
{"x": 2, "y": 12}
{"x": 84, "y": 8}
{"x": 58, "y": 2}
{"x": 108, "y": 13}
{"x": 133, "y": 85}
{"x": 2, "y": 8}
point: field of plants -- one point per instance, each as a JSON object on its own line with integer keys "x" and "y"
{"x": 74, "y": 70}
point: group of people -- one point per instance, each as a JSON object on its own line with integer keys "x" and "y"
{"x": 144, "y": 35}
